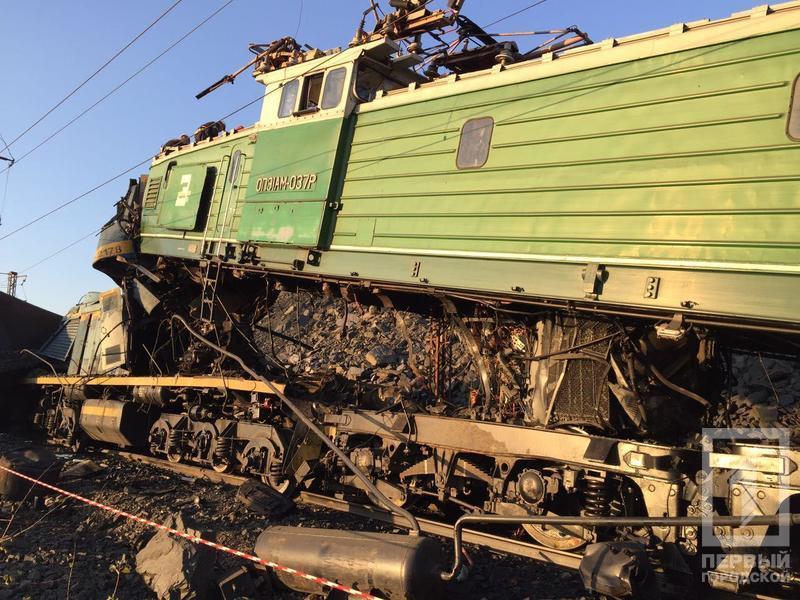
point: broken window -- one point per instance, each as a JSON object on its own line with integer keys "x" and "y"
{"x": 367, "y": 83}
{"x": 312, "y": 92}
{"x": 288, "y": 98}
{"x": 334, "y": 86}
{"x": 476, "y": 139}
{"x": 374, "y": 78}
{"x": 793, "y": 126}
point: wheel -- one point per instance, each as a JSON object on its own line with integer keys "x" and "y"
{"x": 175, "y": 456}
{"x": 220, "y": 466}
{"x": 561, "y": 537}
{"x": 204, "y": 441}
{"x": 258, "y": 458}
{"x": 276, "y": 480}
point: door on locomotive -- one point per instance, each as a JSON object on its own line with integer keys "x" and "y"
{"x": 293, "y": 180}
{"x": 188, "y": 188}
{"x": 295, "y": 185}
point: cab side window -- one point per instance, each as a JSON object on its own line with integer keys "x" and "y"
{"x": 312, "y": 93}
{"x": 288, "y": 98}
{"x": 334, "y": 86}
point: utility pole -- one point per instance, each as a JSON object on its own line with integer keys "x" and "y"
{"x": 13, "y": 278}
{"x": 10, "y": 162}
{"x": 11, "y": 288}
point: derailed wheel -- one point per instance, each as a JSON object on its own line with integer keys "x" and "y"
{"x": 259, "y": 458}
{"x": 561, "y": 537}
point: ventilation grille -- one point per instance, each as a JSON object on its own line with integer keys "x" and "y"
{"x": 583, "y": 396}
{"x": 151, "y": 197}
{"x": 58, "y": 346}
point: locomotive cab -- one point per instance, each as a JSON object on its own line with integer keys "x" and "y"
{"x": 276, "y": 184}
{"x": 308, "y": 114}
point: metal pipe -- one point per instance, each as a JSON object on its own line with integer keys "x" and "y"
{"x": 724, "y": 521}
{"x": 676, "y": 388}
{"x": 415, "y": 529}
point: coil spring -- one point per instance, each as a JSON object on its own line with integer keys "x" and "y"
{"x": 50, "y": 423}
{"x": 616, "y": 508}
{"x": 596, "y": 497}
{"x": 174, "y": 440}
{"x": 276, "y": 474}
{"x": 222, "y": 452}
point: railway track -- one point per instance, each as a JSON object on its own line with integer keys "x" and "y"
{"x": 479, "y": 538}
{"x": 483, "y": 539}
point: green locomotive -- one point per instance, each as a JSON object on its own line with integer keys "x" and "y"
{"x": 654, "y": 174}
{"x": 601, "y": 226}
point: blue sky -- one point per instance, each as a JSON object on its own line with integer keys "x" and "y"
{"x": 47, "y": 47}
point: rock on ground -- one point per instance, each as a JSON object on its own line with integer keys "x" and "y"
{"x": 174, "y": 568}
{"x": 70, "y": 546}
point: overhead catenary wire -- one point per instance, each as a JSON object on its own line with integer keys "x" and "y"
{"x": 73, "y": 200}
{"x": 8, "y": 176}
{"x": 94, "y": 232}
{"x": 125, "y": 82}
{"x": 117, "y": 176}
{"x": 139, "y": 164}
{"x": 515, "y": 13}
{"x": 97, "y": 187}
{"x": 96, "y": 72}
{"x": 299, "y": 19}
{"x": 5, "y": 147}
{"x": 258, "y": 98}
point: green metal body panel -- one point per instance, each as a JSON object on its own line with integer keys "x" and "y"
{"x": 679, "y": 157}
{"x": 292, "y": 184}
{"x": 675, "y": 167}
{"x": 182, "y": 197}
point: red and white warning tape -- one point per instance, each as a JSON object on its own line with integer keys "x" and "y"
{"x": 197, "y": 540}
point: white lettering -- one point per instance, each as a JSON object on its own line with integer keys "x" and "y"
{"x": 183, "y": 195}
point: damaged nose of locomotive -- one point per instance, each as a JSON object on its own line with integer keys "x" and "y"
{"x": 386, "y": 565}
{"x": 116, "y": 236}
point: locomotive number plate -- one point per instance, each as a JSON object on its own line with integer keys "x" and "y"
{"x": 302, "y": 182}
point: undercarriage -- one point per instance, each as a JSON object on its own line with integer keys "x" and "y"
{"x": 593, "y": 443}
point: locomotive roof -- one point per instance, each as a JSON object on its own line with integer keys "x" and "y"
{"x": 760, "y": 20}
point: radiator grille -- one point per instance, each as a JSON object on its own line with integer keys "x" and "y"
{"x": 60, "y": 344}
{"x": 151, "y": 196}
{"x": 583, "y": 395}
